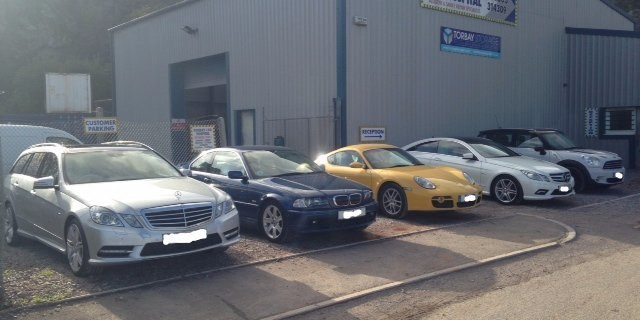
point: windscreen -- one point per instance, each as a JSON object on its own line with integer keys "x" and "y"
{"x": 493, "y": 150}
{"x": 115, "y": 165}
{"x": 273, "y": 163}
{"x": 390, "y": 158}
{"x": 557, "y": 141}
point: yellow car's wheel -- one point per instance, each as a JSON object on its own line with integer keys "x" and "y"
{"x": 393, "y": 201}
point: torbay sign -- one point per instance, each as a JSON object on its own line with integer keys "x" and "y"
{"x": 501, "y": 11}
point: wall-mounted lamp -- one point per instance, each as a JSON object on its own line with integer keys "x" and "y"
{"x": 190, "y": 30}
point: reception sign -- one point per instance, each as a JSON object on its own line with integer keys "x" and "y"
{"x": 501, "y": 11}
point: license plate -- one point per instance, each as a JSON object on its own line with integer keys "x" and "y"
{"x": 186, "y": 237}
{"x": 564, "y": 189}
{"x": 350, "y": 214}
{"x": 468, "y": 198}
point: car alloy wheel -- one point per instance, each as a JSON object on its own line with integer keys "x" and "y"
{"x": 77, "y": 250}
{"x": 393, "y": 204}
{"x": 507, "y": 191}
{"x": 9, "y": 227}
{"x": 272, "y": 222}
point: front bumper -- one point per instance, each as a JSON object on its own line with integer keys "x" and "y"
{"x": 542, "y": 190}
{"x": 437, "y": 200}
{"x": 327, "y": 220}
{"x": 118, "y": 245}
{"x": 606, "y": 176}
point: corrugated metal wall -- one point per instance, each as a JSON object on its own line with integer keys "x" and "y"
{"x": 282, "y": 63}
{"x": 604, "y": 72}
{"x": 282, "y": 60}
{"x": 399, "y": 78}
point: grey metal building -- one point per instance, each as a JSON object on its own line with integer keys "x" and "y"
{"x": 312, "y": 73}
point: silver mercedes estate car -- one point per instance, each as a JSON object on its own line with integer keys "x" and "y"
{"x": 113, "y": 203}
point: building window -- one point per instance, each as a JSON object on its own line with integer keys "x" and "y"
{"x": 620, "y": 122}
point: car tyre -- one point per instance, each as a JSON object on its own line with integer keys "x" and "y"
{"x": 273, "y": 225}
{"x": 393, "y": 201}
{"x": 506, "y": 190}
{"x": 11, "y": 236}
{"x": 580, "y": 179}
{"x": 77, "y": 249}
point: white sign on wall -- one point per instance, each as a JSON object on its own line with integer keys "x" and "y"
{"x": 202, "y": 138}
{"x": 68, "y": 93}
{"x": 100, "y": 125}
{"x": 591, "y": 122}
{"x": 373, "y": 134}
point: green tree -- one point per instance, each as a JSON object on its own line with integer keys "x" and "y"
{"x": 66, "y": 36}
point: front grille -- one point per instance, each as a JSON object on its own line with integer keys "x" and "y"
{"x": 355, "y": 199}
{"x": 341, "y": 201}
{"x": 442, "y": 202}
{"x": 615, "y": 164}
{"x": 179, "y": 216}
{"x": 159, "y": 248}
{"x": 561, "y": 177}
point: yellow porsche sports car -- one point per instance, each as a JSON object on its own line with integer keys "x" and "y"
{"x": 400, "y": 183}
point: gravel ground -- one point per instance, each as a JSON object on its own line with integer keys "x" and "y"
{"x": 35, "y": 274}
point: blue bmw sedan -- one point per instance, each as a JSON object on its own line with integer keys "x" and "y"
{"x": 285, "y": 193}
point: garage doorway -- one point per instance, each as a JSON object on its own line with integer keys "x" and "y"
{"x": 245, "y": 127}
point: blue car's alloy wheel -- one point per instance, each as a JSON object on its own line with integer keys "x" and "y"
{"x": 273, "y": 224}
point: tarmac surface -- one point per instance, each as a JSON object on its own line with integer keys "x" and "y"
{"x": 270, "y": 289}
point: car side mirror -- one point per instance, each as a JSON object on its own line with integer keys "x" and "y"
{"x": 357, "y": 165}
{"x": 186, "y": 172}
{"x": 469, "y": 156}
{"x": 45, "y": 183}
{"x": 540, "y": 150}
{"x": 237, "y": 175}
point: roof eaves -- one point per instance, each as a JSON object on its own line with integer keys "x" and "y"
{"x": 152, "y": 14}
{"x": 625, "y": 14}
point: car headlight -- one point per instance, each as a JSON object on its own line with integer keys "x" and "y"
{"x": 131, "y": 220}
{"x": 310, "y": 202}
{"x": 591, "y": 161}
{"x": 367, "y": 195}
{"x": 535, "y": 176}
{"x": 424, "y": 182}
{"x": 224, "y": 207}
{"x": 104, "y": 216}
{"x": 468, "y": 177}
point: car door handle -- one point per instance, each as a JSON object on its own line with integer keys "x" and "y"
{"x": 437, "y": 159}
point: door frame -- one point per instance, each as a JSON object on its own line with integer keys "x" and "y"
{"x": 238, "y": 125}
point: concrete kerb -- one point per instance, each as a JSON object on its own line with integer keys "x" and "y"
{"x": 569, "y": 235}
{"x": 249, "y": 264}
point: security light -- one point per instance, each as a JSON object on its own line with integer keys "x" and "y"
{"x": 190, "y": 30}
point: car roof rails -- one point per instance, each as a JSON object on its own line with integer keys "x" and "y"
{"x": 46, "y": 144}
{"x": 127, "y": 144}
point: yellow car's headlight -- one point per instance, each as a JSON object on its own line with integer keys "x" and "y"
{"x": 424, "y": 182}
{"x": 469, "y": 178}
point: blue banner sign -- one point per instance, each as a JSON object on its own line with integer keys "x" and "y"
{"x": 501, "y": 11}
{"x": 470, "y": 43}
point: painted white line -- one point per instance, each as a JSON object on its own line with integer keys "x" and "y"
{"x": 604, "y": 202}
{"x": 238, "y": 266}
{"x": 569, "y": 235}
